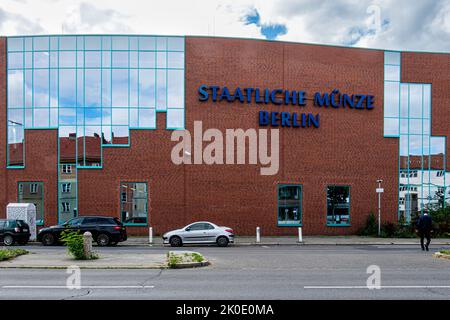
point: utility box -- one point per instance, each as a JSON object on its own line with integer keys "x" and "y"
{"x": 25, "y": 212}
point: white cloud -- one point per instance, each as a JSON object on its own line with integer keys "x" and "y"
{"x": 404, "y": 25}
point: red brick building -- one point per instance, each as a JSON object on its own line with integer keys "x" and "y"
{"x": 350, "y": 150}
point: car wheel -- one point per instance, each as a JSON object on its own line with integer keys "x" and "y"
{"x": 48, "y": 239}
{"x": 8, "y": 240}
{"x": 175, "y": 241}
{"x": 222, "y": 241}
{"x": 103, "y": 240}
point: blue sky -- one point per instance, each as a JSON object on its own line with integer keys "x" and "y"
{"x": 389, "y": 24}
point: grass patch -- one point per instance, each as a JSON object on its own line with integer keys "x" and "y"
{"x": 173, "y": 258}
{"x": 446, "y": 251}
{"x": 6, "y": 254}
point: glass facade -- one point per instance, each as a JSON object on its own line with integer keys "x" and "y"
{"x": 423, "y": 180}
{"x": 289, "y": 205}
{"x": 338, "y": 206}
{"x": 32, "y": 192}
{"x": 133, "y": 202}
{"x": 93, "y": 90}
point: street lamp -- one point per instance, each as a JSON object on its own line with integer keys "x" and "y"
{"x": 379, "y": 191}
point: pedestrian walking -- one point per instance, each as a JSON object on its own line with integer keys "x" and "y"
{"x": 424, "y": 228}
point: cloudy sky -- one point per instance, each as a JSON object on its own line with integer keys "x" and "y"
{"x": 422, "y": 25}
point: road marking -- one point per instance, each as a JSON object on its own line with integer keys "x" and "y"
{"x": 82, "y": 287}
{"x": 265, "y": 247}
{"x": 382, "y": 287}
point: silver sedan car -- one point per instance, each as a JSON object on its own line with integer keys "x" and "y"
{"x": 202, "y": 232}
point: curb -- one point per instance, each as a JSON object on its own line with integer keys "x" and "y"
{"x": 191, "y": 265}
{"x": 82, "y": 267}
{"x": 439, "y": 255}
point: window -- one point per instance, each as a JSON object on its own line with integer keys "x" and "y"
{"x": 200, "y": 226}
{"x": 289, "y": 205}
{"x": 338, "y": 205}
{"x": 65, "y": 206}
{"x": 133, "y": 202}
{"x": 66, "y": 168}
{"x": 66, "y": 187}
{"x": 33, "y": 192}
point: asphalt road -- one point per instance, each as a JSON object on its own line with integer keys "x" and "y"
{"x": 278, "y": 272}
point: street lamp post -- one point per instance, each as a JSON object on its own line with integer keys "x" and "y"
{"x": 379, "y": 191}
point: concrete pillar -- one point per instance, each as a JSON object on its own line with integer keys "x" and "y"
{"x": 87, "y": 244}
{"x": 150, "y": 235}
{"x": 300, "y": 235}
{"x": 258, "y": 234}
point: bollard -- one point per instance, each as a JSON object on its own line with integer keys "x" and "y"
{"x": 150, "y": 235}
{"x": 87, "y": 244}
{"x": 300, "y": 235}
{"x": 258, "y": 235}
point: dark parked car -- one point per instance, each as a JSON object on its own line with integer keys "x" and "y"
{"x": 12, "y": 231}
{"x": 105, "y": 230}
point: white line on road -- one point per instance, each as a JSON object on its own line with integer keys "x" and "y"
{"x": 381, "y": 287}
{"x": 82, "y": 287}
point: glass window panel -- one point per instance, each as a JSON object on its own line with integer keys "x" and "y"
{"x": 41, "y": 59}
{"x": 404, "y": 152}
{"x": 41, "y": 118}
{"x": 15, "y": 44}
{"x": 147, "y": 60}
{"x": 404, "y": 100}
{"x": 92, "y": 146}
{"x": 120, "y": 135}
{"x": 133, "y": 42}
{"x": 415, "y": 152}
{"x": 391, "y": 127}
{"x": 161, "y": 90}
{"x": 93, "y": 90}
{"x": 289, "y": 205}
{"x": 437, "y": 153}
{"x": 106, "y": 88}
{"x": 134, "y": 88}
{"x": 54, "y": 88}
{"x": 147, "y": 88}
{"x": 338, "y": 205}
{"x": 426, "y": 126}
{"x": 119, "y": 116}
{"x": 15, "y": 88}
{"x": 80, "y": 117}
{"x": 119, "y": 43}
{"x": 15, "y": 60}
{"x": 15, "y": 116}
{"x": 28, "y": 60}
{"x": 147, "y": 118}
{"x": 67, "y": 43}
{"x": 106, "y": 116}
{"x": 15, "y": 145}
{"x": 175, "y": 44}
{"x": 134, "y": 118}
{"x": 119, "y": 88}
{"x": 33, "y": 192}
{"x": 391, "y": 98}
{"x": 93, "y": 59}
{"x": 175, "y": 60}
{"x": 67, "y": 144}
{"x": 54, "y": 43}
{"x": 53, "y": 59}
{"x": 80, "y": 59}
{"x": 67, "y": 116}
{"x": 147, "y": 43}
{"x": 426, "y": 101}
{"x": 41, "y": 88}
{"x": 28, "y": 43}
{"x": 93, "y": 116}
{"x": 106, "y": 43}
{"x": 415, "y": 101}
{"x": 391, "y": 73}
{"x": 28, "y": 118}
{"x": 161, "y": 43}
{"x": 392, "y": 57}
{"x": 41, "y": 43}
{"x": 28, "y": 88}
{"x": 133, "y": 59}
{"x": 133, "y": 203}
{"x": 106, "y": 135}
{"x": 67, "y": 59}
{"x": 175, "y": 89}
{"x": 404, "y": 126}
{"x": 175, "y": 119}
{"x": 80, "y": 43}
{"x": 93, "y": 43}
{"x": 161, "y": 60}
{"x": 415, "y": 126}
{"x": 53, "y": 117}
{"x": 80, "y": 88}
{"x": 120, "y": 59}
{"x": 106, "y": 60}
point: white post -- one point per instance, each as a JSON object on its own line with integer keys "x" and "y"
{"x": 87, "y": 244}
{"x": 258, "y": 235}
{"x": 300, "y": 235}
{"x": 150, "y": 235}
{"x": 379, "y": 191}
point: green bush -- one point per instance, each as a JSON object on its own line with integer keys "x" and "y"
{"x": 74, "y": 242}
{"x": 6, "y": 254}
{"x": 388, "y": 230}
{"x": 441, "y": 221}
{"x": 371, "y": 228}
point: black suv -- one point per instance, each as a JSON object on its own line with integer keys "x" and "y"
{"x": 105, "y": 230}
{"x": 12, "y": 231}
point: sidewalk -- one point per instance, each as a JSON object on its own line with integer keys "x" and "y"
{"x": 309, "y": 240}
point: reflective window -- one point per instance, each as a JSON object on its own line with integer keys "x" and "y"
{"x": 175, "y": 118}
{"x": 133, "y": 204}
{"x": 289, "y": 205}
{"x": 338, "y": 205}
{"x": 392, "y": 73}
{"x": 33, "y": 192}
{"x": 391, "y": 99}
